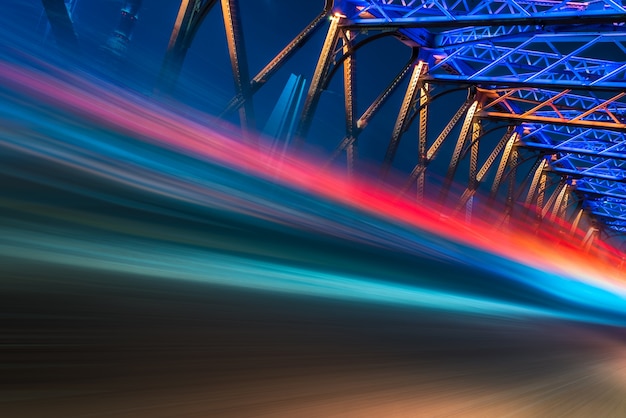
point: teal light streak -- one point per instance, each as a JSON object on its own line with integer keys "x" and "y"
{"x": 131, "y": 256}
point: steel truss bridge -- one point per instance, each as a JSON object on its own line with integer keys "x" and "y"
{"x": 541, "y": 129}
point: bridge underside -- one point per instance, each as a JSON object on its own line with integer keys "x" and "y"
{"x": 541, "y": 128}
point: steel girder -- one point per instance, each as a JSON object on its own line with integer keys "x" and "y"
{"x": 557, "y": 70}
{"x": 609, "y": 208}
{"x": 595, "y": 158}
{"x": 535, "y": 60}
{"x": 553, "y": 71}
{"x": 422, "y": 13}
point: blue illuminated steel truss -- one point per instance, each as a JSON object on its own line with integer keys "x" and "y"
{"x": 552, "y": 73}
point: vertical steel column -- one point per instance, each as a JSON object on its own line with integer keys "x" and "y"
{"x": 556, "y": 210}
{"x": 434, "y": 148}
{"x": 422, "y": 136}
{"x": 319, "y": 78}
{"x": 542, "y": 189}
{"x": 503, "y": 163}
{"x": 564, "y": 203}
{"x": 468, "y": 209}
{"x": 456, "y": 155}
{"x": 410, "y": 98}
{"x": 554, "y": 198}
{"x": 510, "y": 200}
{"x": 238, "y": 60}
{"x": 478, "y": 177}
{"x": 349, "y": 86}
{"x": 473, "y": 167}
{"x": 530, "y": 197}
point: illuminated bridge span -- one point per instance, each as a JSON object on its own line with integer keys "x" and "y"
{"x": 545, "y": 71}
{"x": 541, "y": 127}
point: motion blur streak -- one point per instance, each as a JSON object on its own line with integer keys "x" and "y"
{"x": 155, "y": 266}
{"x": 93, "y": 130}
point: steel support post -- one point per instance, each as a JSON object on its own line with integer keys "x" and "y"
{"x": 469, "y": 206}
{"x": 509, "y": 204}
{"x": 473, "y": 167}
{"x": 409, "y": 101}
{"x": 556, "y": 210}
{"x": 541, "y": 191}
{"x": 564, "y": 204}
{"x": 239, "y": 61}
{"x": 503, "y": 164}
{"x": 474, "y": 144}
{"x": 514, "y": 162}
{"x": 351, "y": 156}
{"x": 478, "y": 177}
{"x": 422, "y": 136}
{"x": 553, "y": 200}
{"x": 434, "y": 148}
{"x": 319, "y": 78}
{"x": 537, "y": 175}
{"x": 349, "y": 87}
{"x": 456, "y": 155}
